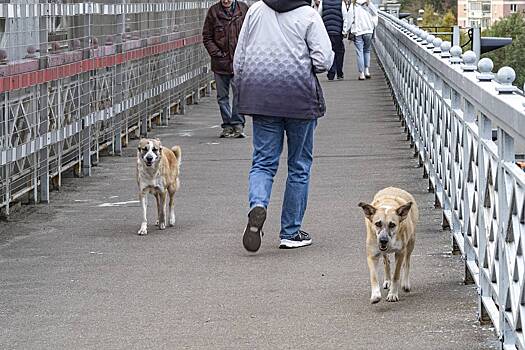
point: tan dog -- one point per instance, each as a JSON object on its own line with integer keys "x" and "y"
{"x": 157, "y": 173}
{"x": 390, "y": 228}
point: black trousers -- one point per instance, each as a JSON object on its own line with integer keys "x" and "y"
{"x": 339, "y": 48}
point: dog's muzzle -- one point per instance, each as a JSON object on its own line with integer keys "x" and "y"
{"x": 383, "y": 243}
{"x": 148, "y": 161}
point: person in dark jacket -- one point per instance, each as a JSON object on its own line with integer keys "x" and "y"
{"x": 220, "y": 34}
{"x": 333, "y": 13}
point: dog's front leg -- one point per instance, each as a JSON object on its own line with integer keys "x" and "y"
{"x": 162, "y": 210}
{"x": 393, "y": 293}
{"x": 157, "y": 199}
{"x": 144, "y": 226}
{"x": 388, "y": 276}
{"x": 372, "y": 267}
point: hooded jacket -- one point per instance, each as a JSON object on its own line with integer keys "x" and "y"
{"x": 361, "y": 18}
{"x": 281, "y": 44}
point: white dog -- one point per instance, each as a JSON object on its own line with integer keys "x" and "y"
{"x": 158, "y": 171}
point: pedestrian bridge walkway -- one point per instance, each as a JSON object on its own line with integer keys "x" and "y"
{"x": 75, "y": 275}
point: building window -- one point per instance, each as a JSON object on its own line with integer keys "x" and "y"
{"x": 486, "y": 8}
{"x": 475, "y": 6}
{"x": 513, "y": 8}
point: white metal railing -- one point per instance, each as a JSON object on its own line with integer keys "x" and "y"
{"x": 466, "y": 125}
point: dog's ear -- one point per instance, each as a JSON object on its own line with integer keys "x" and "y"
{"x": 368, "y": 209}
{"x": 403, "y": 210}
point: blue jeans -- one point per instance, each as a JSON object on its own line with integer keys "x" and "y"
{"x": 230, "y": 116}
{"x": 268, "y": 137}
{"x": 363, "y": 44}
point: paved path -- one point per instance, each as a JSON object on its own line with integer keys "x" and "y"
{"x": 74, "y": 274}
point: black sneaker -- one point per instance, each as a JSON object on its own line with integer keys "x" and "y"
{"x": 227, "y": 132}
{"x": 238, "y": 132}
{"x": 302, "y": 239}
{"x": 341, "y": 77}
{"x": 253, "y": 232}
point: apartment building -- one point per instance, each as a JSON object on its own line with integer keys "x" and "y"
{"x": 483, "y": 13}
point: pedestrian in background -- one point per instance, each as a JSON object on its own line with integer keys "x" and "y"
{"x": 221, "y": 30}
{"x": 282, "y": 45}
{"x": 362, "y": 19}
{"x": 333, "y": 13}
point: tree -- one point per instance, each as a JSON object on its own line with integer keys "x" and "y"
{"x": 413, "y": 6}
{"x": 430, "y": 18}
{"x": 512, "y": 55}
{"x": 449, "y": 20}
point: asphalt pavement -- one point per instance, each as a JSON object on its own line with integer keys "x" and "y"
{"x": 75, "y": 275}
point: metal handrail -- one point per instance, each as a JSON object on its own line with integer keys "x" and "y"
{"x": 451, "y": 104}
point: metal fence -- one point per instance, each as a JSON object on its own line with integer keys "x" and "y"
{"x": 466, "y": 127}
{"x": 78, "y": 77}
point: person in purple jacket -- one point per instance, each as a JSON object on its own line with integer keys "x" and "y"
{"x": 281, "y": 47}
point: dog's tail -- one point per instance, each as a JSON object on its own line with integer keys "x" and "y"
{"x": 178, "y": 152}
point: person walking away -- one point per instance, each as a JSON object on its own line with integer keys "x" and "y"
{"x": 282, "y": 45}
{"x": 362, "y": 18}
{"x": 220, "y": 33}
{"x": 333, "y": 13}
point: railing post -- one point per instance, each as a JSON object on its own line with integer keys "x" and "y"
{"x": 476, "y": 41}
{"x": 505, "y": 154}
{"x": 469, "y": 119}
{"x": 456, "y": 36}
{"x": 485, "y": 136}
{"x": 43, "y": 157}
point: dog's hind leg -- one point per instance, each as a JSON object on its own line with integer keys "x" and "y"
{"x": 393, "y": 293}
{"x": 405, "y": 281}
{"x": 172, "y": 208}
{"x": 144, "y": 226}
{"x": 388, "y": 276}
{"x": 374, "y": 284}
{"x": 162, "y": 210}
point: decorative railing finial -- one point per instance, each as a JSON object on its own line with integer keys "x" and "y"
{"x": 485, "y": 66}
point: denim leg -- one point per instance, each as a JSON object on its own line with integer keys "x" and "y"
{"x": 236, "y": 119}
{"x": 222, "y": 82}
{"x": 367, "y": 40}
{"x": 300, "y": 141}
{"x": 268, "y": 135}
{"x": 358, "y": 42}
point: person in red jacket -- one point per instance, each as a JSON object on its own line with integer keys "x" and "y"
{"x": 220, "y": 34}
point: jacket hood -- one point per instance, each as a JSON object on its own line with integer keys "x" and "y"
{"x": 286, "y": 5}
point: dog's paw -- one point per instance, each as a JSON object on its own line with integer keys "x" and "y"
{"x": 375, "y": 300}
{"x": 162, "y": 225}
{"x": 143, "y": 230}
{"x": 406, "y": 288}
{"x": 172, "y": 220}
{"x": 392, "y": 298}
{"x": 376, "y": 296}
{"x": 387, "y": 284}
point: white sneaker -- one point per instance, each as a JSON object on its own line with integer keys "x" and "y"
{"x": 302, "y": 239}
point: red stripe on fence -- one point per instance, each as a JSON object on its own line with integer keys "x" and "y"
{"x": 24, "y": 80}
